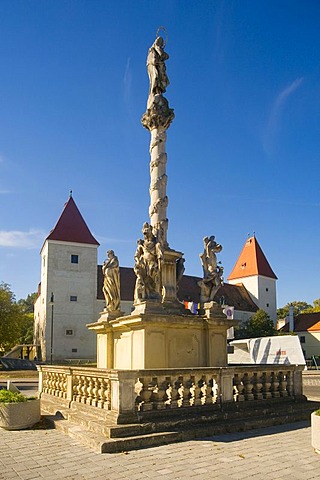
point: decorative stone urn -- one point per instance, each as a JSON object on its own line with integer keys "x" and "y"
{"x": 315, "y": 431}
{"x": 17, "y": 416}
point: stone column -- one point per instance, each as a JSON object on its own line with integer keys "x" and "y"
{"x": 157, "y": 120}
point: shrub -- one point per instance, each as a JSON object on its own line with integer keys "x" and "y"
{"x": 11, "y": 397}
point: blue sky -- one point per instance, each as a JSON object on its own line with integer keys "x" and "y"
{"x": 243, "y": 150}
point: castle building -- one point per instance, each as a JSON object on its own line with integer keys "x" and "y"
{"x": 70, "y": 289}
{"x": 252, "y": 270}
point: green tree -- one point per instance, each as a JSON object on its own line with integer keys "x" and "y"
{"x": 298, "y": 307}
{"x": 16, "y": 326}
{"x": 315, "y": 308}
{"x": 259, "y": 325}
{"x": 28, "y": 303}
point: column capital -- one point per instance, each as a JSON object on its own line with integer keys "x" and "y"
{"x": 159, "y": 115}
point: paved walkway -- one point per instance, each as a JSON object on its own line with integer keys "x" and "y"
{"x": 278, "y": 453}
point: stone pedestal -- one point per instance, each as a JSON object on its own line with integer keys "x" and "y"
{"x": 169, "y": 275}
{"x": 103, "y": 329}
{"x": 153, "y": 338}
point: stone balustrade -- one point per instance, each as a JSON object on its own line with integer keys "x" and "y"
{"x": 129, "y": 393}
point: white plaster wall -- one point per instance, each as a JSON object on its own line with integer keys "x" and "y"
{"x": 311, "y": 346}
{"x": 268, "y": 296}
{"x": 66, "y": 279}
{"x": 262, "y": 291}
{"x": 40, "y": 308}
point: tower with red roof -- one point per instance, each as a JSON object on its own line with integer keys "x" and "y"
{"x": 252, "y": 269}
{"x": 69, "y": 278}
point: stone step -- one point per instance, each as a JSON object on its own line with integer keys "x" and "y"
{"x": 102, "y": 444}
{"x": 132, "y": 437}
{"x": 94, "y": 424}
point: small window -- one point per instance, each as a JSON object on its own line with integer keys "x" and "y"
{"x": 69, "y": 332}
{"x": 302, "y": 339}
{"x": 74, "y": 350}
{"x": 74, "y": 258}
{"x": 267, "y": 289}
{"x": 267, "y": 305}
{"x": 73, "y": 298}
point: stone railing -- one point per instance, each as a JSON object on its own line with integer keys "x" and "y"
{"x": 129, "y": 393}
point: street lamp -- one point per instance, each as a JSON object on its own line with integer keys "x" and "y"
{"x": 51, "y": 339}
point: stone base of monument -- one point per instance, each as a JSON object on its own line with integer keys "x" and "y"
{"x": 98, "y": 432}
{"x": 106, "y": 316}
{"x": 152, "y": 338}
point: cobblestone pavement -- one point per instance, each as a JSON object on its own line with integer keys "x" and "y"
{"x": 278, "y": 453}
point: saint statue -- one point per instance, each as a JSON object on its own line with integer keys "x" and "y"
{"x": 157, "y": 69}
{"x": 111, "y": 282}
{"x": 148, "y": 258}
{"x": 212, "y": 272}
{"x": 180, "y": 269}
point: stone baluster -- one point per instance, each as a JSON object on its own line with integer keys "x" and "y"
{"x": 203, "y": 391}
{"x": 95, "y": 390}
{"x": 214, "y": 390}
{"x": 168, "y": 395}
{"x": 209, "y": 392}
{"x": 63, "y": 385}
{"x": 138, "y": 389}
{"x": 266, "y": 382}
{"x": 161, "y": 395}
{"x": 55, "y": 384}
{"x": 257, "y": 386}
{"x": 290, "y": 383}
{"x": 197, "y": 391}
{"x": 84, "y": 389}
{"x": 186, "y": 393}
{"x": 275, "y": 385}
{"x": 90, "y": 385}
{"x": 180, "y": 390}
{"x": 146, "y": 394}
{"x": 50, "y": 383}
{"x": 59, "y": 384}
{"x": 238, "y": 388}
{"x": 107, "y": 393}
{"x": 283, "y": 384}
{"x": 248, "y": 386}
{"x": 45, "y": 377}
{"x": 192, "y": 394}
{"x": 99, "y": 394}
{"x": 54, "y": 380}
{"x": 76, "y": 388}
{"x": 174, "y": 394}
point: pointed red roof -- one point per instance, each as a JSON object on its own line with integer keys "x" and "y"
{"x": 71, "y": 226}
{"x": 251, "y": 261}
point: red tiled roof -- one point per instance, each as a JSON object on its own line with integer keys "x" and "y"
{"x": 305, "y": 322}
{"x": 71, "y": 226}
{"x": 233, "y": 295}
{"x": 251, "y": 261}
